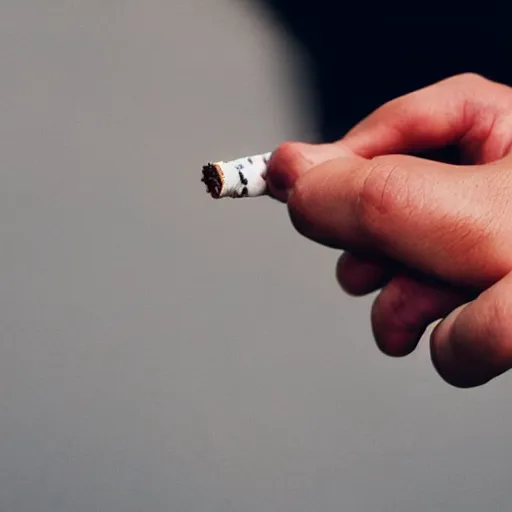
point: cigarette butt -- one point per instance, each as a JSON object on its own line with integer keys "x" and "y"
{"x": 244, "y": 177}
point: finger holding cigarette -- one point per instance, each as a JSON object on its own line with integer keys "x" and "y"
{"x": 268, "y": 173}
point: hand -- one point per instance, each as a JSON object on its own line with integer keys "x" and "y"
{"x": 436, "y": 237}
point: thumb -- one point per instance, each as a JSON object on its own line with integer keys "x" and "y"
{"x": 435, "y": 217}
{"x": 292, "y": 159}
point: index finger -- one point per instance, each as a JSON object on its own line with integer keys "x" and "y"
{"x": 460, "y": 110}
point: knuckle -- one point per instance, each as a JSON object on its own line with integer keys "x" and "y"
{"x": 466, "y": 79}
{"x": 384, "y": 195}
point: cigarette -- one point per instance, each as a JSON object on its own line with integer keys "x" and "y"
{"x": 244, "y": 177}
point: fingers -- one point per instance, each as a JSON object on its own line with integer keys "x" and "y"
{"x": 467, "y": 110}
{"x": 437, "y": 218}
{"x": 473, "y": 345}
{"x": 360, "y": 275}
{"x": 406, "y": 307}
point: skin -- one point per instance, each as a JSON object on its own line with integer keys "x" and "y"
{"x": 434, "y": 238}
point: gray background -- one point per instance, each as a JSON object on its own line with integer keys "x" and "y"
{"x": 161, "y": 351}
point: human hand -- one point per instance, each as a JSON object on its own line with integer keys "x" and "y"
{"x": 436, "y": 237}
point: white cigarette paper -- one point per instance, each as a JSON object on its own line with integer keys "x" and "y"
{"x": 244, "y": 177}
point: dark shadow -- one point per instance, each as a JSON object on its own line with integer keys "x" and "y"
{"x": 363, "y": 55}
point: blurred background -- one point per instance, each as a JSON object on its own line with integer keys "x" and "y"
{"x": 161, "y": 351}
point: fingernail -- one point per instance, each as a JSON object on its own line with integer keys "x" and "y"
{"x": 316, "y": 154}
{"x": 291, "y": 160}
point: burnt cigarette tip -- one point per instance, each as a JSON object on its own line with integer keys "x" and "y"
{"x": 212, "y": 179}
